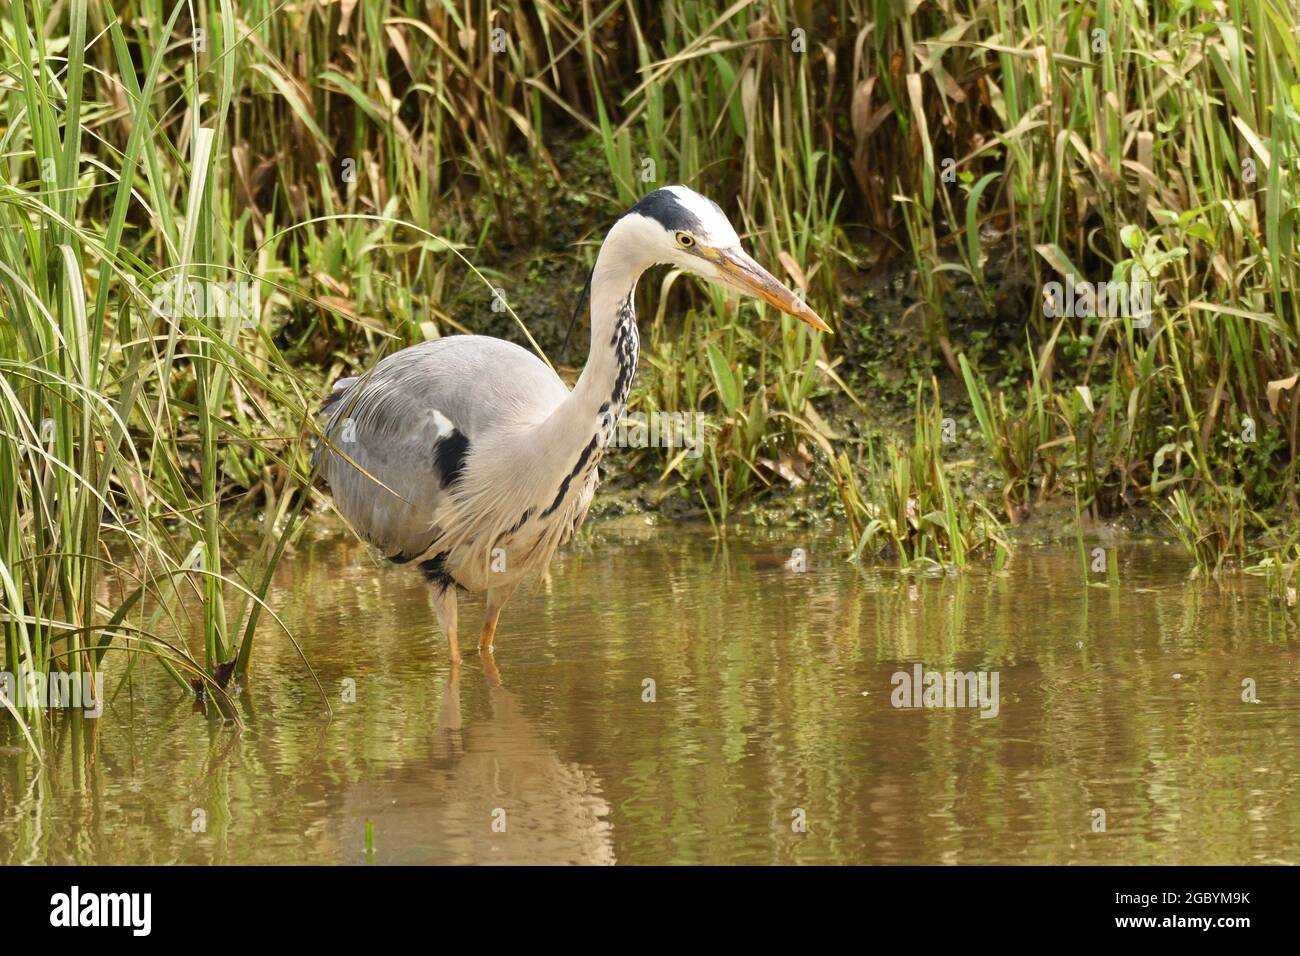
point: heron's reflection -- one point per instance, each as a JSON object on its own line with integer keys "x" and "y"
{"x": 490, "y": 791}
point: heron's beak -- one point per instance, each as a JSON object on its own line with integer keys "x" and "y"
{"x": 745, "y": 275}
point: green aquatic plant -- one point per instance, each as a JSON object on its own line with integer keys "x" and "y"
{"x": 1021, "y": 443}
{"x": 1212, "y": 527}
{"x": 910, "y": 506}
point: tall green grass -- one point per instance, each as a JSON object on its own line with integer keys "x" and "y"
{"x": 1156, "y": 142}
{"x": 124, "y": 410}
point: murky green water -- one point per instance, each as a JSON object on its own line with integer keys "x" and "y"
{"x": 772, "y": 705}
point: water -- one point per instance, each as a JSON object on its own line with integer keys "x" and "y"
{"x": 772, "y": 705}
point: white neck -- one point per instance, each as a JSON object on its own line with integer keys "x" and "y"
{"x": 606, "y": 379}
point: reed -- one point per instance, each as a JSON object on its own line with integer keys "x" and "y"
{"x": 138, "y": 378}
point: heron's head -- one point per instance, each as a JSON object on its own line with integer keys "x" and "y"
{"x": 691, "y": 232}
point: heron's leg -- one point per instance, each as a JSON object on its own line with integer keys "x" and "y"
{"x": 496, "y": 600}
{"x": 444, "y": 605}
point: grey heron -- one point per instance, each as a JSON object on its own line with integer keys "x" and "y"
{"x": 468, "y": 456}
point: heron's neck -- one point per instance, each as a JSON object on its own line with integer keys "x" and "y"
{"x": 602, "y": 388}
{"x": 606, "y": 379}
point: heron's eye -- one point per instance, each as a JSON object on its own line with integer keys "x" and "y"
{"x": 685, "y": 240}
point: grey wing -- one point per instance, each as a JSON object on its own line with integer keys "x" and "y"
{"x": 408, "y": 427}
